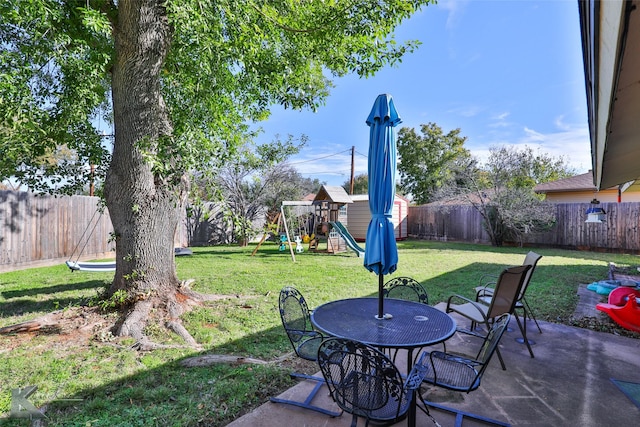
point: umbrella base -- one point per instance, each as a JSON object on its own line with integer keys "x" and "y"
{"x": 385, "y": 316}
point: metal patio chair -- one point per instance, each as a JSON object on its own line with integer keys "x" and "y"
{"x": 365, "y": 383}
{"x": 405, "y": 288}
{"x": 296, "y": 320}
{"x": 409, "y": 289}
{"x": 460, "y": 373}
{"x": 503, "y": 301}
{"x": 483, "y": 292}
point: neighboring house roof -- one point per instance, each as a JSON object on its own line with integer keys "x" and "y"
{"x": 582, "y": 182}
{"x": 468, "y": 199}
{"x": 580, "y": 189}
{"x": 365, "y": 198}
{"x": 335, "y": 194}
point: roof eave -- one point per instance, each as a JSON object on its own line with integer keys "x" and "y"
{"x": 610, "y": 65}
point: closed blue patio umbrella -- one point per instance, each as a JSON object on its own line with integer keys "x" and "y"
{"x": 381, "y": 252}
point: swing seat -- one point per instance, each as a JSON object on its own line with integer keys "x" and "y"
{"x": 92, "y": 266}
{"x": 89, "y": 266}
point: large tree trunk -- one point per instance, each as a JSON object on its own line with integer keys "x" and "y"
{"x": 144, "y": 207}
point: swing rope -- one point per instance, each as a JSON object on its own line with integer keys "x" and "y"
{"x": 86, "y": 241}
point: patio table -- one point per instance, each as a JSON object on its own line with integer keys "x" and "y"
{"x": 412, "y": 325}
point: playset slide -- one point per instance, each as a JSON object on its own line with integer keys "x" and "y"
{"x": 344, "y": 233}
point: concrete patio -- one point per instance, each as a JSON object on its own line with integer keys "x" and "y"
{"x": 568, "y": 383}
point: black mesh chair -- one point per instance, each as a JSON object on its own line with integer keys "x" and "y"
{"x": 365, "y": 383}
{"x": 405, "y": 288}
{"x": 460, "y": 373}
{"x": 296, "y": 320}
{"x": 408, "y": 289}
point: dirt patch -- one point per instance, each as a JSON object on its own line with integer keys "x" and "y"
{"x": 72, "y": 327}
{"x": 298, "y": 364}
{"x": 587, "y": 316}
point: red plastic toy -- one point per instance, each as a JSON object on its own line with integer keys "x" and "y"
{"x": 623, "y": 307}
{"x": 619, "y": 295}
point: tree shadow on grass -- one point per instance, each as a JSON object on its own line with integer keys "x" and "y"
{"x": 159, "y": 392}
{"x": 148, "y": 389}
{"x": 105, "y": 382}
{"x": 17, "y": 293}
{"x": 20, "y": 302}
{"x": 24, "y": 306}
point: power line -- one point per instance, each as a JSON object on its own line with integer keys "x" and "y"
{"x": 318, "y": 158}
{"x": 332, "y": 172}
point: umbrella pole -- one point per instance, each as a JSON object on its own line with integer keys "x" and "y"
{"x": 380, "y": 296}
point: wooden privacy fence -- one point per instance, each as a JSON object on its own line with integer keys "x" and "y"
{"x": 619, "y": 233}
{"x": 457, "y": 223}
{"x": 37, "y": 228}
{"x": 44, "y": 230}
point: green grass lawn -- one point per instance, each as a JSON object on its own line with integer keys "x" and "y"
{"x": 86, "y": 377}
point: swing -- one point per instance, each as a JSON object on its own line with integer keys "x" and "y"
{"x": 89, "y": 266}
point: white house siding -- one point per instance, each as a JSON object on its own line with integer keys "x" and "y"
{"x": 359, "y": 216}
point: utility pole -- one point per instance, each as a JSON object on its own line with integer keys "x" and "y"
{"x": 353, "y": 152}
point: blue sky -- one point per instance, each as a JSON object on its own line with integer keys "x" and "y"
{"x": 504, "y": 72}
